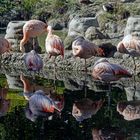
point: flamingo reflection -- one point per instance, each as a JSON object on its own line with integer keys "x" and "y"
{"x": 129, "y": 109}
{"x": 4, "y": 103}
{"x": 31, "y": 29}
{"x": 106, "y": 71}
{"x": 39, "y": 102}
{"x": 85, "y": 108}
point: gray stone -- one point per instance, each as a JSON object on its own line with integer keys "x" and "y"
{"x": 78, "y": 26}
{"x": 93, "y": 33}
{"x": 132, "y": 26}
{"x": 56, "y": 24}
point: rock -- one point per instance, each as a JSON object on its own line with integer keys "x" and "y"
{"x": 56, "y": 24}
{"x": 127, "y": 1}
{"x": 132, "y": 26}
{"x": 78, "y": 26}
{"x": 93, "y": 33}
{"x": 85, "y": 1}
{"x": 14, "y": 34}
{"x": 68, "y": 42}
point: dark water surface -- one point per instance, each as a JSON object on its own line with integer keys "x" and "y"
{"x": 80, "y": 89}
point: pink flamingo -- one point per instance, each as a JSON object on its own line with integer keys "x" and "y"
{"x": 85, "y": 49}
{"x": 129, "y": 45}
{"x": 31, "y": 29}
{"x": 53, "y": 43}
{"x": 4, "y": 46}
{"x": 33, "y": 61}
{"x": 105, "y": 71}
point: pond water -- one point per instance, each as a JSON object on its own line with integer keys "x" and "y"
{"x": 84, "y": 105}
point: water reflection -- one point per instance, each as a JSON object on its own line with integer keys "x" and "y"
{"x": 41, "y": 101}
{"x": 4, "y": 103}
{"x": 129, "y": 109}
{"x": 85, "y": 108}
{"x": 93, "y": 103}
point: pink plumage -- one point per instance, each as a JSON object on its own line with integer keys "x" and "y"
{"x": 53, "y": 43}
{"x": 106, "y": 71}
{"x": 33, "y": 61}
{"x": 4, "y": 46}
{"x": 32, "y": 28}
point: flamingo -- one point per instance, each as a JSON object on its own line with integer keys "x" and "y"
{"x": 130, "y": 45}
{"x": 106, "y": 71}
{"x": 84, "y": 49}
{"x": 33, "y": 61}
{"x": 85, "y": 108}
{"x": 54, "y": 45}
{"x": 31, "y": 29}
{"x": 5, "y": 46}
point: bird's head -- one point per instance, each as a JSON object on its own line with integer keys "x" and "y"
{"x": 49, "y": 28}
{"x": 77, "y": 50}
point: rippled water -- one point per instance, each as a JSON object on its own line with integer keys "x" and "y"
{"x": 97, "y": 102}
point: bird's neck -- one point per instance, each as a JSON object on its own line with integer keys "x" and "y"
{"x": 50, "y": 32}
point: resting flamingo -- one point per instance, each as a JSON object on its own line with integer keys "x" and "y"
{"x": 54, "y": 45}
{"x": 5, "y": 46}
{"x": 31, "y": 29}
{"x": 84, "y": 49}
{"x": 106, "y": 71}
{"x": 130, "y": 45}
{"x": 33, "y": 61}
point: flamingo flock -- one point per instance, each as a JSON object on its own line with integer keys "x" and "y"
{"x": 102, "y": 70}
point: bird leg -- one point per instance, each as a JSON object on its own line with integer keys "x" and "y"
{"x": 33, "y": 43}
{"x": 85, "y": 66}
{"x": 134, "y": 80}
{"x": 23, "y": 41}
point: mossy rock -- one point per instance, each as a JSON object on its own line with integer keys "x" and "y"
{"x": 68, "y": 42}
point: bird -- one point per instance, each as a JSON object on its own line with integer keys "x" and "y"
{"x": 5, "y": 46}
{"x": 129, "y": 45}
{"x": 33, "y": 61}
{"x": 105, "y": 71}
{"x": 85, "y": 49}
{"x": 31, "y": 29}
{"x": 53, "y": 44}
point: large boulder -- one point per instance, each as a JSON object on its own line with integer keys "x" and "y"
{"x": 14, "y": 34}
{"x": 56, "y": 24}
{"x": 94, "y": 33}
{"x": 132, "y": 26}
{"x": 78, "y": 25}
